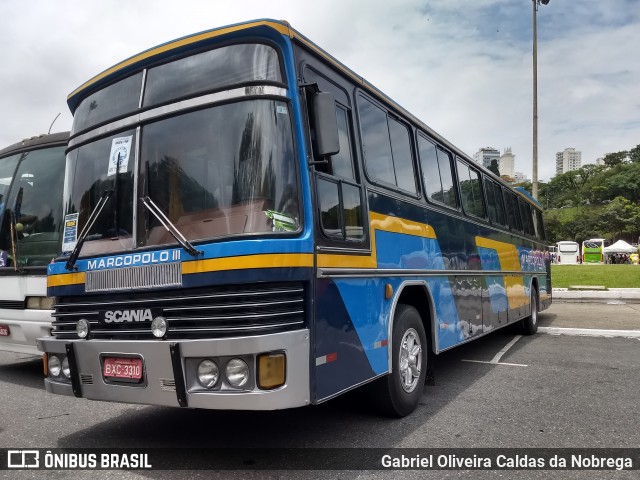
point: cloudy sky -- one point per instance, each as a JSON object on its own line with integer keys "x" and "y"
{"x": 462, "y": 66}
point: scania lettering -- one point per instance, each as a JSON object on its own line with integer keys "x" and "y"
{"x": 31, "y": 226}
{"x": 128, "y": 316}
{"x": 299, "y": 233}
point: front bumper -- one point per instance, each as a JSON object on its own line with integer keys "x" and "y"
{"x": 169, "y": 377}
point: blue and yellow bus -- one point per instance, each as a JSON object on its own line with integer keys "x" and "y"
{"x": 252, "y": 225}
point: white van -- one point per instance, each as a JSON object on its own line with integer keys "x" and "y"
{"x": 568, "y": 253}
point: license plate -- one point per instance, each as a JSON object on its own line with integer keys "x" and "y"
{"x": 4, "y": 330}
{"x": 122, "y": 368}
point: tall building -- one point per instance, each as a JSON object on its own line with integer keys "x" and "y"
{"x": 507, "y": 163}
{"x": 568, "y": 160}
{"x": 485, "y": 155}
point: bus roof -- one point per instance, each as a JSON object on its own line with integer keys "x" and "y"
{"x": 168, "y": 49}
{"x": 39, "y": 141}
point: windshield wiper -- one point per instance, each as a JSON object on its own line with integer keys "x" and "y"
{"x": 106, "y": 195}
{"x": 14, "y": 241}
{"x": 171, "y": 228}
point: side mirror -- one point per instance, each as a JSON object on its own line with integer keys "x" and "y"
{"x": 326, "y": 124}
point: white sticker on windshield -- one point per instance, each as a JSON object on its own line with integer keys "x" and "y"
{"x": 119, "y": 156}
{"x": 281, "y": 110}
{"x": 70, "y": 235}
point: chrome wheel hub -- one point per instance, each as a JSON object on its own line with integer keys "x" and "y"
{"x": 410, "y": 360}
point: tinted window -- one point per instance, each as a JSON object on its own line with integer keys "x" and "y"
{"x": 329, "y": 201}
{"x": 375, "y": 139}
{"x": 387, "y": 147}
{"x": 525, "y": 216}
{"x": 446, "y": 174}
{"x": 36, "y": 200}
{"x": 212, "y": 70}
{"x": 113, "y": 101}
{"x": 470, "y": 190}
{"x": 538, "y": 224}
{"x": 491, "y": 201}
{"x": 402, "y": 160}
{"x": 513, "y": 215}
{"x": 430, "y": 170}
{"x": 342, "y": 162}
{"x": 497, "y": 193}
{"x": 352, "y": 212}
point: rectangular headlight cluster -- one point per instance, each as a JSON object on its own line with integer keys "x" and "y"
{"x": 40, "y": 303}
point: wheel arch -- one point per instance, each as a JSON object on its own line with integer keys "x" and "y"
{"x": 417, "y": 294}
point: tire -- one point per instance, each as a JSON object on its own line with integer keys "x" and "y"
{"x": 398, "y": 394}
{"x": 530, "y": 324}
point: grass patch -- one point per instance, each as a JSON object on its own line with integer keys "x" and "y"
{"x": 610, "y": 276}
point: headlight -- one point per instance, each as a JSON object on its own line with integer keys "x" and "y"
{"x": 208, "y": 373}
{"x": 159, "y": 327}
{"x": 237, "y": 372}
{"x": 66, "y": 371}
{"x": 40, "y": 303}
{"x": 55, "y": 366}
{"x": 83, "y": 327}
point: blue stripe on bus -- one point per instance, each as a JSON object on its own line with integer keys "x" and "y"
{"x": 397, "y": 250}
{"x": 495, "y": 284}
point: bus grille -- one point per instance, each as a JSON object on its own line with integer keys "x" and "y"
{"x": 191, "y": 313}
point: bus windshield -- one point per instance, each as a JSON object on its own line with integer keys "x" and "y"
{"x": 221, "y": 171}
{"x": 29, "y": 196}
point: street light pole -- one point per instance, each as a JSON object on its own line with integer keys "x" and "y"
{"x": 534, "y": 175}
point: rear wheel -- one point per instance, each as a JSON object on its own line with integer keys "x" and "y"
{"x": 530, "y": 324}
{"x": 398, "y": 393}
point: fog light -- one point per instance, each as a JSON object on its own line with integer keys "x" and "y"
{"x": 55, "y": 365}
{"x": 159, "y": 327}
{"x": 271, "y": 370}
{"x": 46, "y": 303}
{"x": 237, "y": 372}
{"x": 66, "y": 371}
{"x": 83, "y": 327}
{"x": 208, "y": 373}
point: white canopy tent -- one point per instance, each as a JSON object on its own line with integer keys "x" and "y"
{"x": 620, "y": 247}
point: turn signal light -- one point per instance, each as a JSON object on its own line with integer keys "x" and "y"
{"x": 271, "y": 370}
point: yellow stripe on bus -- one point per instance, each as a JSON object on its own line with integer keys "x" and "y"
{"x": 508, "y": 258}
{"x": 273, "y": 260}
{"x": 378, "y": 222}
{"x": 65, "y": 279}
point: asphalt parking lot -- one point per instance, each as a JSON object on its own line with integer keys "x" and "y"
{"x": 544, "y": 391}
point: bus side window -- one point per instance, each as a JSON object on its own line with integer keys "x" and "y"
{"x": 470, "y": 190}
{"x": 339, "y": 195}
{"x": 497, "y": 193}
{"x": 491, "y": 201}
{"x": 387, "y": 147}
{"x": 436, "y": 173}
{"x": 342, "y": 162}
{"x": 538, "y": 224}
{"x": 513, "y": 215}
{"x": 525, "y": 215}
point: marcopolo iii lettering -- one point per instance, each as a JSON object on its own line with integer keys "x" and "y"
{"x": 129, "y": 316}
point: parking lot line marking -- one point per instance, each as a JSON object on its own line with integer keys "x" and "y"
{"x": 499, "y": 355}
{"x": 590, "y": 332}
{"x": 496, "y": 363}
{"x": 496, "y": 360}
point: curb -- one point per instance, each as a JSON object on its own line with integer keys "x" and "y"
{"x": 631, "y": 295}
{"x": 590, "y": 332}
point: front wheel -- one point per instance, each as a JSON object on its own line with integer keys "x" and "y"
{"x": 398, "y": 393}
{"x": 530, "y": 324}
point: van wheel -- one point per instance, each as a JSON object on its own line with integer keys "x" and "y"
{"x": 530, "y": 324}
{"x": 398, "y": 393}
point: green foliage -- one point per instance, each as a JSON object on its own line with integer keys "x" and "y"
{"x": 611, "y": 159}
{"x": 634, "y": 154}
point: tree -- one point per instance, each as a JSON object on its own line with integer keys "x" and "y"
{"x": 611, "y": 159}
{"x": 620, "y": 216}
{"x": 494, "y": 167}
{"x": 634, "y": 154}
